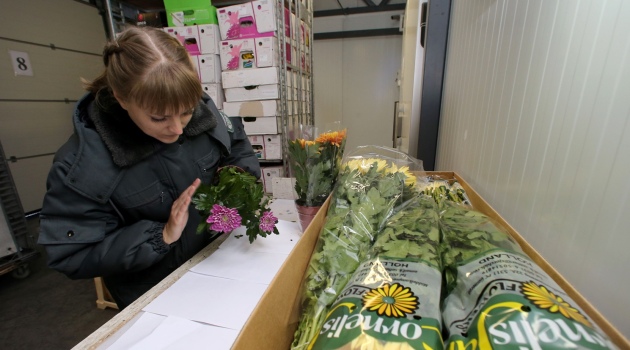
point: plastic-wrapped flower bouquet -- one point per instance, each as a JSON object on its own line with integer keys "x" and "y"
{"x": 235, "y": 199}
{"x": 373, "y": 183}
{"x": 315, "y": 159}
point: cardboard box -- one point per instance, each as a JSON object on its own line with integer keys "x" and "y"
{"x": 273, "y": 322}
{"x": 251, "y": 93}
{"x": 237, "y": 54}
{"x": 258, "y": 144}
{"x": 305, "y": 35}
{"x": 215, "y": 92}
{"x": 263, "y": 108}
{"x": 209, "y": 68}
{"x": 209, "y": 38}
{"x": 188, "y": 36}
{"x": 268, "y": 174}
{"x": 267, "y": 147}
{"x": 249, "y": 20}
{"x": 232, "y": 18}
{"x": 261, "y": 125}
{"x": 273, "y": 146}
{"x": 189, "y": 12}
{"x": 250, "y": 77}
{"x": 195, "y": 63}
{"x": 265, "y": 12}
{"x": 249, "y": 53}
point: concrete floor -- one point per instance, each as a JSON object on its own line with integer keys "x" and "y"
{"x": 47, "y": 310}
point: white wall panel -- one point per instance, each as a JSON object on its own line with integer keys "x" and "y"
{"x": 328, "y": 82}
{"x": 370, "y": 66}
{"x": 30, "y": 176}
{"x": 355, "y": 81}
{"x": 28, "y": 129}
{"x": 56, "y": 73}
{"x": 32, "y": 124}
{"x": 64, "y": 23}
{"x": 535, "y": 116}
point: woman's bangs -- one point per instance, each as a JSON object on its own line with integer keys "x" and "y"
{"x": 167, "y": 92}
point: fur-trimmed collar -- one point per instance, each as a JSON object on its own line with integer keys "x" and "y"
{"x": 126, "y": 142}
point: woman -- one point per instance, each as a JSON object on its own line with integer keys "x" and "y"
{"x": 118, "y": 193}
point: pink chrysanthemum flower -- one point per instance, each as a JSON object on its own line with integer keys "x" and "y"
{"x": 223, "y": 219}
{"x": 268, "y": 221}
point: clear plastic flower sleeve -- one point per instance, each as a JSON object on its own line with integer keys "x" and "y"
{"x": 372, "y": 182}
{"x": 499, "y": 298}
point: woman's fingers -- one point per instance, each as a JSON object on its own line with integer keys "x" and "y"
{"x": 179, "y": 213}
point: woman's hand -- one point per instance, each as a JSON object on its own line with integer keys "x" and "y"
{"x": 179, "y": 214}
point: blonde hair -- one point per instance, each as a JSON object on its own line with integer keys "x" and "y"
{"x": 149, "y": 67}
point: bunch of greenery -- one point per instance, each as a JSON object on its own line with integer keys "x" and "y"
{"x": 367, "y": 193}
{"x": 412, "y": 234}
{"x": 235, "y": 198}
{"x": 315, "y": 165}
{"x": 446, "y": 190}
{"x": 467, "y": 233}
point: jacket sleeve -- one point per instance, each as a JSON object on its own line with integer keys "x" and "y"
{"x": 242, "y": 153}
{"x": 84, "y": 238}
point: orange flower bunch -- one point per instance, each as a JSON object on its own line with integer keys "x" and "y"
{"x": 336, "y": 137}
{"x": 315, "y": 164}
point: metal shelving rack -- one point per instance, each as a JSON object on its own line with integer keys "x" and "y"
{"x": 297, "y": 105}
{"x": 18, "y": 247}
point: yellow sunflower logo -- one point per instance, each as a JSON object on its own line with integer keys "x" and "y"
{"x": 391, "y": 300}
{"x": 547, "y": 300}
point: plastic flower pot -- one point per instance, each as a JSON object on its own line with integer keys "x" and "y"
{"x": 306, "y": 214}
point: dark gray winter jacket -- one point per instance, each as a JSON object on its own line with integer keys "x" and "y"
{"x": 111, "y": 188}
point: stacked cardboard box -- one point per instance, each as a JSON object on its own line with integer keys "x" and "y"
{"x": 251, "y": 74}
{"x": 237, "y": 55}
{"x": 202, "y": 43}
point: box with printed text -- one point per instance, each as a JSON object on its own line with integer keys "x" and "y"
{"x": 249, "y": 20}
{"x": 249, "y": 53}
{"x": 258, "y": 144}
{"x": 249, "y": 77}
{"x": 268, "y": 173}
{"x": 215, "y": 92}
{"x": 273, "y": 146}
{"x": 209, "y": 38}
{"x": 181, "y": 13}
{"x": 188, "y": 36}
{"x": 262, "y": 125}
{"x": 209, "y": 68}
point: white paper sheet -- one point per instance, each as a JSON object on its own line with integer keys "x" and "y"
{"x": 206, "y": 337}
{"x": 208, "y": 299}
{"x": 144, "y": 325}
{"x": 154, "y": 332}
{"x": 289, "y": 234}
{"x": 257, "y": 267}
{"x": 167, "y": 333}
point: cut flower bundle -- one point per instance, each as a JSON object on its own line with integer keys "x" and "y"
{"x": 414, "y": 266}
{"x": 373, "y": 182}
{"x": 315, "y": 160}
{"x": 236, "y": 198}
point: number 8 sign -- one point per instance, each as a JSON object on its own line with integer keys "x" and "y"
{"x": 21, "y": 63}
